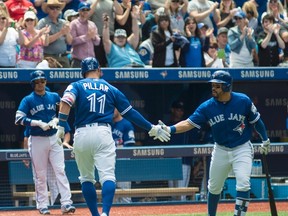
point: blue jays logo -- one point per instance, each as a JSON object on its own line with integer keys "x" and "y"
{"x": 164, "y": 74}
{"x": 240, "y": 128}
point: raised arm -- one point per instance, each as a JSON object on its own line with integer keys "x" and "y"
{"x": 107, "y": 43}
{"x": 133, "y": 39}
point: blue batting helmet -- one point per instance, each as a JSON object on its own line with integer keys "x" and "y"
{"x": 36, "y": 75}
{"x": 89, "y": 64}
{"x": 223, "y": 77}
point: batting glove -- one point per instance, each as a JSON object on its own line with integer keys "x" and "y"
{"x": 40, "y": 124}
{"x": 158, "y": 133}
{"x": 60, "y": 135}
{"x": 265, "y": 147}
{"x": 163, "y": 126}
{"x": 53, "y": 123}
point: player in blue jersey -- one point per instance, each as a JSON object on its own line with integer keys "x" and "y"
{"x": 38, "y": 111}
{"x": 123, "y": 135}
{"x": 94, "y": 101}
{"x": 232, "y": 117}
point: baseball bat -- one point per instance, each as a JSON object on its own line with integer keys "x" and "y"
{"x": 272, "y": 203}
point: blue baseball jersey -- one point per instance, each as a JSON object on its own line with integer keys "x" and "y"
{"x": 38, "y": 107}
{"x": 123, "y": 133}
{"x": 231, "y": 122}
{"x": 96, "y": 100}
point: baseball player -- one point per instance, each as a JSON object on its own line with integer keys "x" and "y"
{"x": 123, "y": 135}
{"x": 38, "y": 110}
{"x": 232, "y": 117}
{"x": 94, "y": 101}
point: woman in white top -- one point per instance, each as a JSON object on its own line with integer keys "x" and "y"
{"x": 10, "y": 38}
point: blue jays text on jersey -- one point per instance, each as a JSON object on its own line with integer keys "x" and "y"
{"x": 38, "y": 107}
{"x": 231, "y": 122}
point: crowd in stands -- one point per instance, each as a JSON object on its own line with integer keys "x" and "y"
{"x": 147, "y": 33}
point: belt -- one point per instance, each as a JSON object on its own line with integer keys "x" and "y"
{"x": 93, "y": 125}
{"x": 58, "y": 55}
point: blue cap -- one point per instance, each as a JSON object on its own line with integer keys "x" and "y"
{"x": 240, "y": 14}
{"x": 83, "y": 5}
{"x": 201, "y": 25}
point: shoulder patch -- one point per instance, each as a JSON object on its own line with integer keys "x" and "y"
{"x": 143, "y": 52}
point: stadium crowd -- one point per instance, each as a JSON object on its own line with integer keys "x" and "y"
{"x": 150, "y": 33}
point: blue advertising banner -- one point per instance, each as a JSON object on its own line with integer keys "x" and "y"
{"x": 148, "y": 74}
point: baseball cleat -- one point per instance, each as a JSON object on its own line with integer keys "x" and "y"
{"x": 68, "y": 209}
{"x": 44, "y": 211}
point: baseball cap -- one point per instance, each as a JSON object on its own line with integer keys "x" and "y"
{"x": 222, "y": 30}
{"x": 240, "y": 14}
{"x": 83, "y": 5}
{"x": 201, "y": 25}
{"x": 120, "y": 32}
{"x": 30, "y": 15}
{"x": 69, "y": 13}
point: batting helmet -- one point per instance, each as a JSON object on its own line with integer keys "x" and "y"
{"x": 89, "y": 64}
{"x": 36, "y": 75}
{"x": 223, "y": 77}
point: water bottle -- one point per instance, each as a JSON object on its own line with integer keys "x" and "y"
{"x": 260, "y": 169}
{"x": 253, "y": 171}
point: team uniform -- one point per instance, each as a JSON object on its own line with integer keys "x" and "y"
{"x": 123, "y": 135}
{"x": 95, "y": 101}
{"x": 232, "y": 121}
{"x": 35, "y": 111}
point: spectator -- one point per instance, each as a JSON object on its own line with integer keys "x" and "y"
{"x": 162, "y": 41}
{"x": 98, "y": 9}
{"x": 194, "y": 55}
{"x": 250, "y": 9}
{"x": 204, "y": 11}
{"x": 223, "y": 46}
{"x": 146, "y": 50}
{"x": 211, "y": 57}
{"x": 206, "y": 31}
{"x": 124, "y": 21}
{"x": 122, "y": 51}
{"x": 31, "y": 52}
{"x": 275, "y": 8}
{"x": 146, "y": 29}
{"x": 177, "y": 14}
{"x": 123, "y": 135}
{"x": 269, "y": 42}
{"x": 242, "y": 43}
{"x": 10, "y": 38}
{"x": 59, "y": 35}
{"x": 226, "y": 13}
{"x": 70, "y": 15}
{"x": 17, "y": 8}
{"x": 85, "y": 36}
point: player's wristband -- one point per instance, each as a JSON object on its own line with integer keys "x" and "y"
{"x": 172, "y": 129}
{"x": 62, "y": 119}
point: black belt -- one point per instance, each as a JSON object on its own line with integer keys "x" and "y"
{"x": 57, "y": 55}
{"x": 93, "y": 125}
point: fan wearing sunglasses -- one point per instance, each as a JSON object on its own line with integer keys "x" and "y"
{"x": 242, "y": 42}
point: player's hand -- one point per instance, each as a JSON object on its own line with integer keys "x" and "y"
{"x": 158, "y": 133}
{"x": 265, "y": 147}
{"x": 40, "y": 124}
{"x": 53, "y": 123}
{"x": 163, "y": 126}
{"x": 60, "y": 134}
